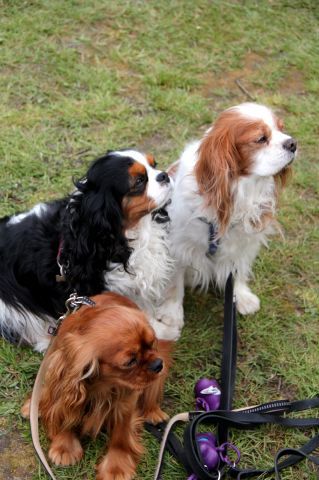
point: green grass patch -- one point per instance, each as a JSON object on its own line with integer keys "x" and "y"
{"x": 81, "y": 77}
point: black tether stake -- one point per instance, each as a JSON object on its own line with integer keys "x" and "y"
{"x": 228, "y": 367}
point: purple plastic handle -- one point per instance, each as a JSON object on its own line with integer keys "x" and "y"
{"x": 207, "y": 394}
{"x": 225, "y": 458}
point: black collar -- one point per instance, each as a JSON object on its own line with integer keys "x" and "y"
{"x": 161, "y": 215}
{"x": 212, "y": 233}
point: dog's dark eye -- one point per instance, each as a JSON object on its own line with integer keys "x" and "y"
{"x": 131, "y": 362}
{"x": 155, "y": 165}
{"x": 262, "y": 139}
{"x": 140, "y": 180}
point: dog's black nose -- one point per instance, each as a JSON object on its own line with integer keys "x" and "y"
{"x": 156, "y": 365}
{"x": 290, "y": 144}
{"x": 162, "y": 177}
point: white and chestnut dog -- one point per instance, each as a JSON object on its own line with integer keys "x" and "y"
{"x": 225, "y": 197}
{"x": 79, "y": 236}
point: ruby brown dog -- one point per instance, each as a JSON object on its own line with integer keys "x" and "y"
{"x": 105, "y": 370}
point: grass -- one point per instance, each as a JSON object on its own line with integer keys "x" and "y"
{"x": 81, "y": 77}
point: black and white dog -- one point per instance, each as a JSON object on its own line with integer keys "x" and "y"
{"x": 69, "y": 244}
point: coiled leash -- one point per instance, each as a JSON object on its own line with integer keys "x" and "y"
{"x": 205, "y": 456}
{"x": 72, "y": 304}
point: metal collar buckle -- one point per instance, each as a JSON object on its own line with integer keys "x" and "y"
{"x": 73, "y": 303}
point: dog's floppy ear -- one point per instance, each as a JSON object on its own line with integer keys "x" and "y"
{"x": 172, "y": 169}
{"x": 93, "y": 235}
{"x": 282, "y": 178}
{"x": 215, "y": 170}
{"x": 65, "y": 392}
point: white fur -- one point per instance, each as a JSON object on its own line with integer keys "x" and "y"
{"x": 151, "y": 269}
{"x": 254, "y": 195}
{"x": 150, "y": 265}
{"x": 240, "y": 243}
{"x": 34, "y": 327}
{"x": 37, "y": 210}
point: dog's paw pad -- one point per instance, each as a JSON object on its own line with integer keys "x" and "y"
{"x": 247, "y": 303}
{"x": 111, "y": 468}
{"x": 68, "y": 454}
{"x": 25, "y": 409}
{"x": 155, "y": 416}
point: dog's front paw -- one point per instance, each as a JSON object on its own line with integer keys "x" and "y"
{"x": 156, "y": 415}
{"x": 65, "y": 449}
{"x": 116, "y": 465}
{"x": 164, "y": 331}
{"x": 25, "y": 409}
{"x": 247, "y": 302}
{"x": 169, "y": 321}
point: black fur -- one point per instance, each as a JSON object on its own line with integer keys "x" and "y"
{"x": 89, "y": 223}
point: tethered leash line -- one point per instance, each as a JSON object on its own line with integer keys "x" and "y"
{"x": 34, "y": 412}
{"x": 72, "y": 304}
{"x": 228, "y": 367}
{"x": 228, "y": 372}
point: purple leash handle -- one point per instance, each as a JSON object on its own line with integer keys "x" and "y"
{"x": 223, "y": 448}
{"x": 201, "y": 404}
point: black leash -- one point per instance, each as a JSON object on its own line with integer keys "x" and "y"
{"x": 228, "y": 367}
{"x": 188, "y": 452}
{"x": 228, "y": 370}
{"x": 173, "y": 445}
{"x": 249, "y": 418}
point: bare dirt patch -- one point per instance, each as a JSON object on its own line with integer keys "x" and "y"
{"x": 244, "y": 84}
{"x": 277, "y": 383}
{"x": 237, "y": 84}
{"x": 17, "y": 460}
{"x": 293, "y": 83}
{"x": 157, "y": 143}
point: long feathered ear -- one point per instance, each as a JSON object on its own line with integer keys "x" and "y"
{"x": 93, "y": 236}
{"x": 64, "y": 392}
{"x": 215, "y": 170}
{"x": 282, "y": 178}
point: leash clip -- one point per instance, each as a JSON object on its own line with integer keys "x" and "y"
{"x": 73, "y": 303}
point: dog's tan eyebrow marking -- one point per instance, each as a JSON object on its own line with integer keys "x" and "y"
{"x": 151, "y": 160}
{"x": 137, "y": 169}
